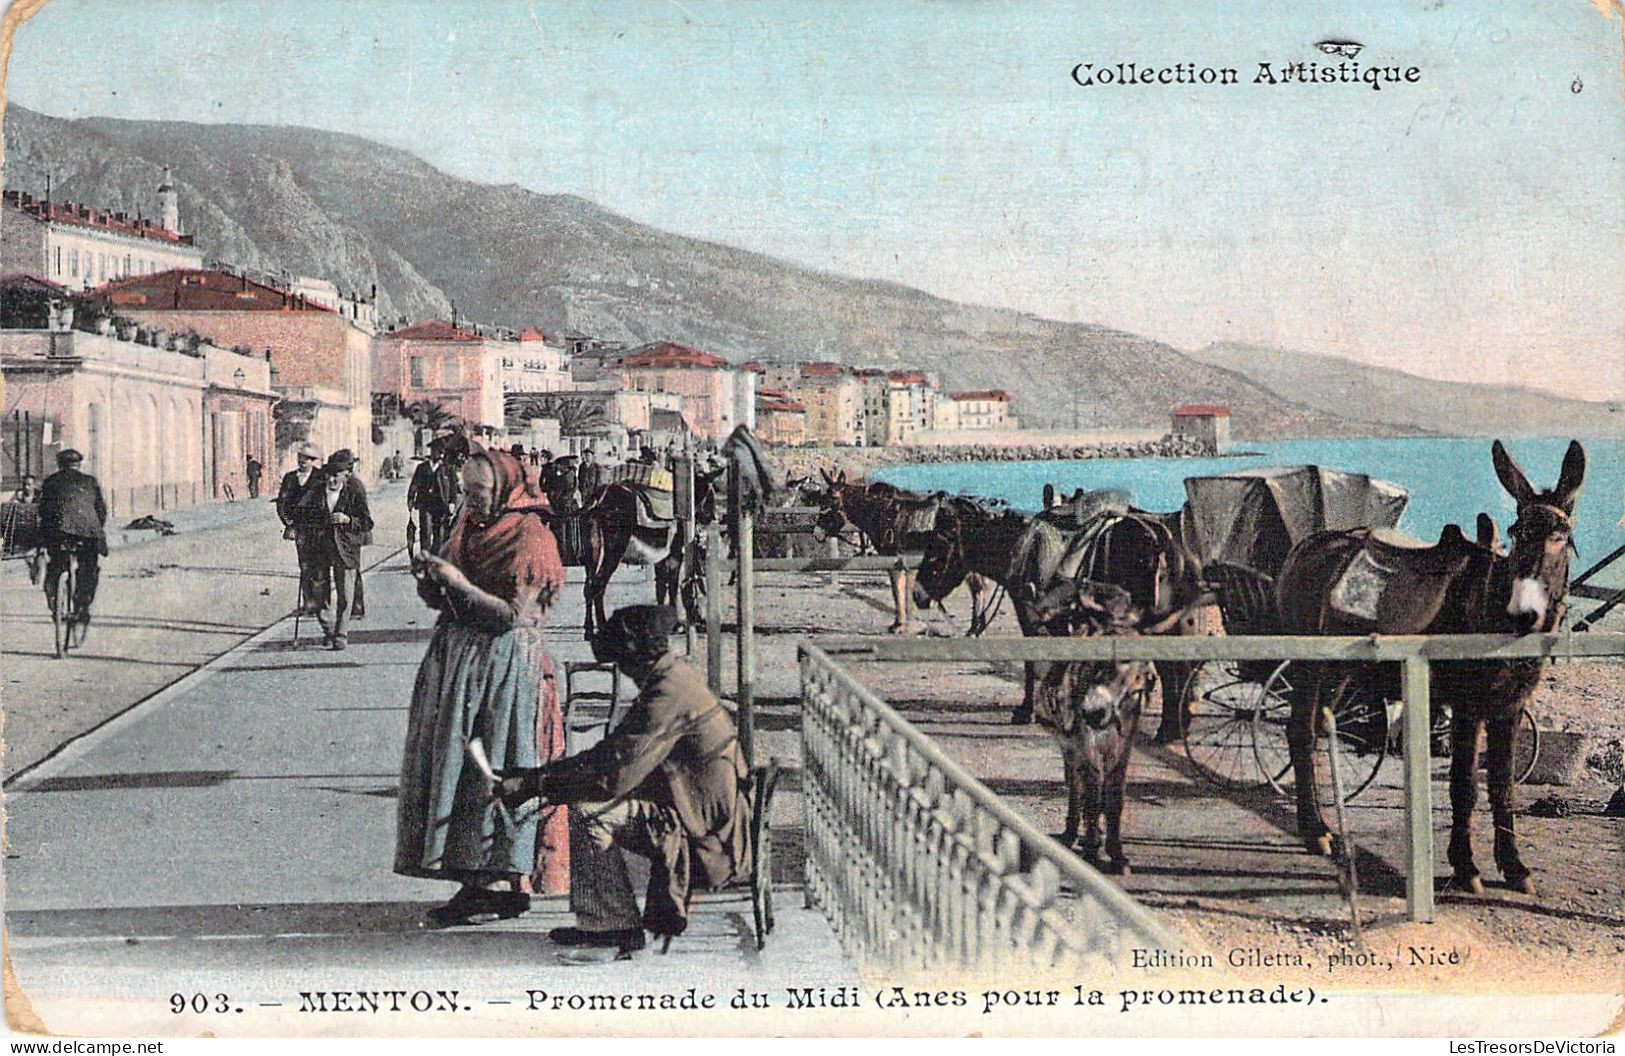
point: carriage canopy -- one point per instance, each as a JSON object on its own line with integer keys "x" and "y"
{"x": 1253, "y": 517}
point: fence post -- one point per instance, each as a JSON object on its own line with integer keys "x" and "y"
{"x": 1418, "y": 792}
{"x": 686, "y": 512}
{"x": 745, "y": 614}
{"x": 713, "y": 608}
{"x": 832, "y": 548}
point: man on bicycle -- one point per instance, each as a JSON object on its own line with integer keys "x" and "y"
{"x": 72, "y": 519}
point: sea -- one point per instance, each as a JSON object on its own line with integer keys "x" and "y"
{"x": 1450, "y": 480}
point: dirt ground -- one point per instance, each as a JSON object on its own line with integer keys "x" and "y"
{"x": 1224, "y": 866}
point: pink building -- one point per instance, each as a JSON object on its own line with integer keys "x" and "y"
{"x": 709, "y": 385}
{"x": 454, "y": 366}
{"x": 780, "y": 419}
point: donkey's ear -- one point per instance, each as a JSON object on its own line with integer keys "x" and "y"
{"x": 825, "y": 474}
{"x": 1489, "y": 536}
{"x": 1512, "y": 478}
{"x": 1574, "y": 473}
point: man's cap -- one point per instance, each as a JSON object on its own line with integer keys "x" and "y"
{"x": 341, "y": 459}
{"x": 640, "y": 632}
{"x": 68, "y": 457}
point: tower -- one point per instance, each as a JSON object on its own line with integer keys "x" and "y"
{"x": 169, "y": 203}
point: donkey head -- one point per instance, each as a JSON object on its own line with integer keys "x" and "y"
{"x": 1094, "y": 694}
{"x": 1542, "y": 537}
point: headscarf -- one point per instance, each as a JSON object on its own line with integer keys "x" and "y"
{"x": 514, "y": 546}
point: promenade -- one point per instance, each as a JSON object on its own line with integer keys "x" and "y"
{"x": 233, "y": 835}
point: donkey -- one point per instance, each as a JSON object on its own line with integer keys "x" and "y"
{"x": 1094, "y": 708}
{"x": 1027, "y": 555}
{"x": 1460, "y": 587}
{"x": 886, "y": 518}
{"x": 612, "y": 532}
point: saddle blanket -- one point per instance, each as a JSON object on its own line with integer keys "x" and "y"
{"x": 921, "y": 519}
{"x": 1360, "y": 588}
{"x": 655, "y": 508}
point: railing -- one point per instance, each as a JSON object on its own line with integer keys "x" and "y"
{"x": 920, "y": 868}
{"x": 1414, "y": 652}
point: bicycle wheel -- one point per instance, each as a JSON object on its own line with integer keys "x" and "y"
{"x": 1220, "y": 705}
{"x": 62, "y": 612}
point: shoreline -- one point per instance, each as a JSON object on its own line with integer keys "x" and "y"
{"x": 858, "y": 462}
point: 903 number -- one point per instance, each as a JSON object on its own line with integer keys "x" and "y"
{"x": 179, "y": 1003}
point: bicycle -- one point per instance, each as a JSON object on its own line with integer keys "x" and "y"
{"x": 64, "y": 618}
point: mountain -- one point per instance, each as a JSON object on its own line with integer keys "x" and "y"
{"x": 1347, "y": 387}
{"x": 360, "y": 213}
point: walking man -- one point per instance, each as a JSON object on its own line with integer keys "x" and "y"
{"x": 255, "y": 468}
{"x": 72, "y": 520}
{"x": 669, "y": 784}
{"x": 294, "y": 484}
{"x": 334, "y": 511}
{"x": 429, "y": 497}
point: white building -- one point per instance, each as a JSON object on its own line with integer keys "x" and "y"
{"x": 534, "y": 364}
{"x": 79, "y": 247}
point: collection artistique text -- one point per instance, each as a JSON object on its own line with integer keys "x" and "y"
{"x": 1089, "y": 74}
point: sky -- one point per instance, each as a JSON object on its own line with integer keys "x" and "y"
{"x": 1468, "y": 225}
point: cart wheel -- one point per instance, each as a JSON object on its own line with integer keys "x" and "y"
{"x": 1525, "y": 746}
{"x": 1270, "y": 747}
{"x": 1219, "y": 727}
{"x": 1362, "y": 728}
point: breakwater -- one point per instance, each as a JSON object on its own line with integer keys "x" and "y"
{"x": 858, "y": 462}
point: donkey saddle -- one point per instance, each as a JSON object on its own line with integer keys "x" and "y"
{"x": 1398, "y": 582}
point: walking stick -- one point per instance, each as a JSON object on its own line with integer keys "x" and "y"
{"x": 1350, "y": 877}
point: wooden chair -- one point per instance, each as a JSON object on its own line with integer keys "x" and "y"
{"x": 764, "y": 781}
{"x": 576, "y": 719}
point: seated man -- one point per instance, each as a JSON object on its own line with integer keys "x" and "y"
{"x": 668, "y": 783}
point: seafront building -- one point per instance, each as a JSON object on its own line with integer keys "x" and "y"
{"x": 1207, "y": 422}
{"x": 716, "y": 396}
{"x": 165, "y": 420}
{"x": 780, "y": 419}
{"x": 320, "y": 361}
{"x": 79, "y": 247}
{"x": 453, "y": 366}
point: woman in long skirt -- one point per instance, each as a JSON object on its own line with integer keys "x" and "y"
{"x": 486, "y": 682}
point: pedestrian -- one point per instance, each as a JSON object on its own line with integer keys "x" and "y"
{"x": 430, "y": 499}
{"x": 669, "y": 784}
{"x": 28, "y": 491}
{"x": 588, "y": 476}
{"x": 334, "y": 510}
{"x": 72, "y": 520}
{"x": 486, "y": 676}
{"x": 292, "y": 490}
{"x": 255, "y": 468}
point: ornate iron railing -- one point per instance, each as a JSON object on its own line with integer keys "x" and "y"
{"x": 920, "y": 868}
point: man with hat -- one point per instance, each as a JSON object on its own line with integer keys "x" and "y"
{"x": 669, "y": 784}
{"x": 334, "y": 511}
{"x": 431, "y": 497}
{"x": 292, "y": 490}
{"x": 72, "y": 519}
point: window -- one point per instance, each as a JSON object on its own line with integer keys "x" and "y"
{"x": 73, "y": 262}
{"x": 416, "y": 364}
{"x": 451, "y": 373}
{"x": 59, "y": 260}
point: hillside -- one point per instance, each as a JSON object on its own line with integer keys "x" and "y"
{"x": 345, "y": 208}
{"x": 1343, "y": 386}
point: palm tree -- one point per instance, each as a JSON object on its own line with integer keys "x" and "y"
{"x": 575, "y": 414}
{"x": 428, "y": 414}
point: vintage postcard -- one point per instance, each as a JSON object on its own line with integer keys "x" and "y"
{"x": 555, "y": 517}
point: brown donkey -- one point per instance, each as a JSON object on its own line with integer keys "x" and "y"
{"x": 1458, "y": 587}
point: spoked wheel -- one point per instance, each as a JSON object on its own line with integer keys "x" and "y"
{"x": 62, "y": 613}
{"x": 1221, "y": 703}
{"x": 1361, "y": 712}
{"x": 1525, "y": 746}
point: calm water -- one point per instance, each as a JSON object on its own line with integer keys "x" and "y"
{"x": 1450, "y": 480}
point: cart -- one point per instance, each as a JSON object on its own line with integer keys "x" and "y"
{"x": 1242, "y": 526}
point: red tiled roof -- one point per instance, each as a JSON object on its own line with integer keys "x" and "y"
{"x": 1201, "y": 410}
{"x": 530, "y": 333}
{"x": 810, "y": 370}
{"x": 908, "y": 377}
{"x": 84, "y": 216}
{"x": 869, "y": 372}
{"x": 23, "y": 278}
{"x": 754, "y": 366}
{"x": 983, "y": 394}
{"x": 670, "y": 354}
{"x": 202, "y": 289}
{"x": 782, "y": 404}
{"x": 433, "y": 330}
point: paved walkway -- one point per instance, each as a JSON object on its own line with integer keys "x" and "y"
{"x": 233, "y": 835}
